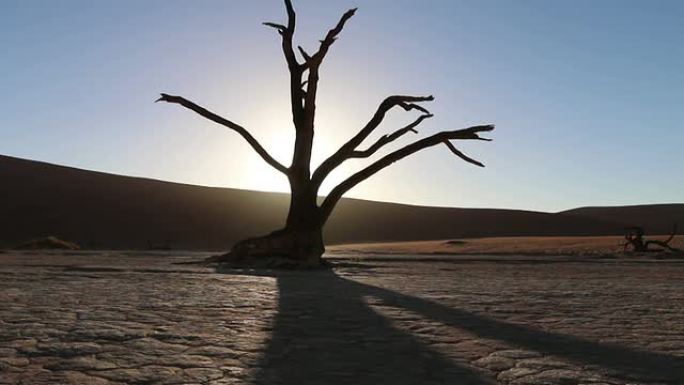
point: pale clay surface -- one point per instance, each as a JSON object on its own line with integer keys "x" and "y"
{"x": 125, "y": 319}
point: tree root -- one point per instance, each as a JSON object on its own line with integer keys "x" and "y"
{"x": 283, "y": 249}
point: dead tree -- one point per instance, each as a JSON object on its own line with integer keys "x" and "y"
{"x": 635, "y": 239}
{"x": 300, "y": 240}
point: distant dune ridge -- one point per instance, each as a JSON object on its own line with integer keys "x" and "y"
{"x": 104, "y": 211}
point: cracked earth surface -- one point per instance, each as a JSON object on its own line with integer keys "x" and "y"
{"x": 142, "y": 319}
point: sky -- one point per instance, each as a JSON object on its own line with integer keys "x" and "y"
{"x": 587, "y": 96}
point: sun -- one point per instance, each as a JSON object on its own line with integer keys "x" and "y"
{"x": 272, "y": 125}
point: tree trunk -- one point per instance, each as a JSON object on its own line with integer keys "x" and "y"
{"x": 298, "y": 244}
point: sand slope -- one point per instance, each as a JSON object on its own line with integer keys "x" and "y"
{"x": 98, "y": 210}
{"x": 655, "y": 219}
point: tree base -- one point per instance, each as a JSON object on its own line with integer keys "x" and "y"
{"x": 284, "y": 249}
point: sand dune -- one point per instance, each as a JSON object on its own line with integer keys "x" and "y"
{"x": 98, "y": 210}
{"x": 655, "y": 219}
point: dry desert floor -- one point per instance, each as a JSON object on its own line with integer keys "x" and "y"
{"x": 545, "y": 246}
{"x": 132, "y": 318}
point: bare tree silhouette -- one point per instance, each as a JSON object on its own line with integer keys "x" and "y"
{"x": 300, "y": 242}
{"x": 635, "y": 239}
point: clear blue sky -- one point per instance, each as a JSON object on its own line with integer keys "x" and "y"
{"x": 587, "y": 96}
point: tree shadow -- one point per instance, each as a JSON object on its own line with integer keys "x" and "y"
{"x": 623, "y": 361}
{"x": 325, "y": 333}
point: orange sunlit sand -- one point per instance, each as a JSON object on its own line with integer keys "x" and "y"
{"x": 543, "y": 246}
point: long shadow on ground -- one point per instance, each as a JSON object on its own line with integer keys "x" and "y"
{"x": 325, "y": 333}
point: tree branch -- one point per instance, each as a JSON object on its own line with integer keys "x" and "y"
{"x": 296, "y": 69}
{"x": 291, "y": 16}
{"x": 281, "y": 28}
{"x": 441, "y": 137}
{"x": 331, "y": 36}
{"x": 385, "y": 139}
{"x": 305, "y": 55}
{"x": 343, "y": 153}
{"x": 313, "y": 63}
{"x": 227, "y": 123}
{"x": 412, "y": 106}
{"x": 287, "y": 32}
{"x": 461, "y": 155}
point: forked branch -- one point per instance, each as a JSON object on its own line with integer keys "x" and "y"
{"x": 406, "y": 102}
{"x": 227, "y": 123}
{"x": 347, "y": 150}
{"x": 441, "y": 137}
{"x": 313, "y": 63}
{"x": 303, "y": 102}
{"x": 385, "y": 139}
